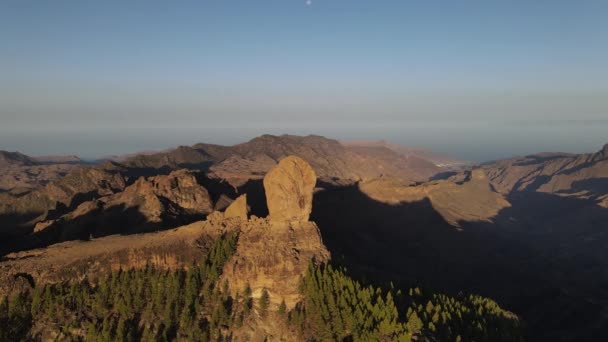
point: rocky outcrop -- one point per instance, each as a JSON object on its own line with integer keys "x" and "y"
{"x": 237, "y": 209}
{"x": 66, "y": 193}
{"x": 149, "y": 204}
{"x": 180, "y": 188}
{"x": 84, "y": 180}
{"x": 273, "y": 253}
{"x": 170, "y": 249}
{"x": 274, "y": 256}
{"x": 289, "y": 187}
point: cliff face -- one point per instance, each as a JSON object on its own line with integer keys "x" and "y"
{"x": 581, "y": 175}
{"x": 20, "y": 212}
{"x": 179, "y": 188}
{"x": 80, "y": 183}
{"x": 273, "y": 253}
{"x": 273, "y": 256}
{"x": 145, "y": 205}
{"x": 75, "y": 260}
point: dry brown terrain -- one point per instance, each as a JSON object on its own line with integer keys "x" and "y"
{"x": 74, "y": 259}
{"x": 272, "y": 254}
{"x": 544, "y": 211}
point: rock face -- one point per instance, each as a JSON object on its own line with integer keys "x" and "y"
{"x": 581, "y": 175}
{"x": 170, "y": 249}
{"x": 79, "y": 185}
{"x": 289, "y": 187}
{"x": 179, "y": 187}
{"x": 273, "y": 257}
{"x": 148, "y": 204}
{"x": 273, "y": 253}
{"x": 237, "y": 209}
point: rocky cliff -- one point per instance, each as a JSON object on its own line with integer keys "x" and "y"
{"x": 58, "y": 197}
{"x": 148, "y": 204}
{"x": 273, "y": 253}
{"x": 583, "y": 175}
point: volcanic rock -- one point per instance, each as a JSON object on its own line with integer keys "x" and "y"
{"x": 273, "y": 257}
{"x": 578, "y": 175}
{"x": 148, "y": 204}
{"x": 238, "y": 208}
{"x": 289, "y": 188}
{"x": 179, "y": 187}
{"x": 273, "y": 253}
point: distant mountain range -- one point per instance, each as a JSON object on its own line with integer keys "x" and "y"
{"x": 19, "y": 159}
{"x": 331, "y": 159}
{"x": 529, "y": 231}
{"x": 439, "y": 159}
{"x": 38, "y": 191}
{"x": 580, "y": 175}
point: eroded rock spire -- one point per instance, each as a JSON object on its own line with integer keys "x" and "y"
{"x": 289, "y": 188}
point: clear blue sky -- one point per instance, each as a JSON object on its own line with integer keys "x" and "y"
{"x": 478, "y": 79}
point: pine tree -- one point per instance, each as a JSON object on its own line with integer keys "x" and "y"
{"x": 264, "y": 303}
{"x": 282, "y": 308}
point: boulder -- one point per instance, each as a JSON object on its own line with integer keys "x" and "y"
{"x": 289, "y": 188}
{"x": 238, "y": 208}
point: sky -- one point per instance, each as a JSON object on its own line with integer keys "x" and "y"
{"x": 480, "y": 80}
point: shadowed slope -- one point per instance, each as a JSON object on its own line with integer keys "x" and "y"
{"x": 551, "y": 268}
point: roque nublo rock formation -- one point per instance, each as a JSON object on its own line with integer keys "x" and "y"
{"x": 273, "y": 253}
{"x": 289, "y": 187}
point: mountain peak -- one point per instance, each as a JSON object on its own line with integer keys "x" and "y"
{"x": 601, "y": 154}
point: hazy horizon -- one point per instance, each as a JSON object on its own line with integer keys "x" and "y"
{"x": 52, "y": 145}
{"x": 479, "y": 81}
